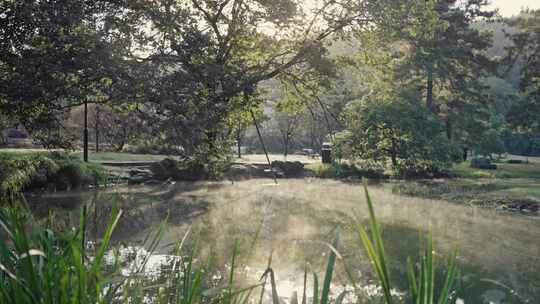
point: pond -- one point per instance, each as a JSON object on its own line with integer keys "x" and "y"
{"x": 498, "y": 253}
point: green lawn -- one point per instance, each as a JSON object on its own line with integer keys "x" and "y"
{"x": 119, "y": 156}
{"x": 504, "y": 170}
{"x": 116, "y": 156}
{"x": 98, "y": 157}
{"x": 21, "y": 151}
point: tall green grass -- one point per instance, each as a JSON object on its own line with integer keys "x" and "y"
{"x": 319, "y": 296}
{"x": 40, "y": 265}
{"x": 421, "y": 275}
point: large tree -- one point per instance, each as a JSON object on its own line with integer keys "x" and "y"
{"x": 208, "y": 57}
{"x": 57, "y": 54}
{"x": 439, "y": 52}
{"x": 447, "y": 53}
{"x": 525, "y": 114}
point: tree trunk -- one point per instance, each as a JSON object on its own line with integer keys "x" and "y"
{"x": 429, "y": 94}
{"x": 393, "y": 153}
{"x": 393, "y": 157}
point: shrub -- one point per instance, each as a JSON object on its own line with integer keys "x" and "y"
{"x": 29, "y": 171}
{"x": 343, "y": 170}
{"x": 421, "y": 169}
{"x": 152, "y": 149}
{"x": 165, "y": 169}
{"x": 186, "y": 170}
{"x": 393, "y": 126}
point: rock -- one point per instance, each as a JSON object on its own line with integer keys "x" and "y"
{"x": 153, "y": 182}
{"x": 138, "y": 179}
{"x": 238, "y": 170}
{"x": 289, "y": 169}
{"x": 134, "y": 172}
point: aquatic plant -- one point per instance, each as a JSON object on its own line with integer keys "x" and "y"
{"x": 421, "y": 277}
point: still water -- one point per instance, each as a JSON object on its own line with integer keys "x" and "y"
{"x": 498, "y": 253}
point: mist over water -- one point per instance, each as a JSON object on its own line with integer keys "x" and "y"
{"x": 499, "y": 253}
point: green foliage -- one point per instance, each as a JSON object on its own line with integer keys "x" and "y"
{"x": 342, "y": 146}
{"x": 526, "y": 48}
{"x": 491, "y": 140}
{"x": 19, "y": 172}
{"x": 344, "y": 170}
{"x": 394, "y": 127}
{"x": 47, "y": 267}
{"x": 219, "y": 54}
{"x": 73, "y": 174}
{"x": 56, "y": 54}
{"x": 189, "y": 169}
{"x": 435, "y": 51}
{"x": 421, "y": 276}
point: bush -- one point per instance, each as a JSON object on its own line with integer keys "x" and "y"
{"x": 152, "y": 149}
{"x": 75, "y": 174}
{"x": 394, "y": 127}
{"x": 343, "y": 170}
{"x": 187, "y": 170}
{"x": 30, "y": 171}
{"x": 165, "y": 169}
{"x": 422, "y": 169}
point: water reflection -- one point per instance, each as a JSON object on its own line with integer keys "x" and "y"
{"x": 499, "y": 254}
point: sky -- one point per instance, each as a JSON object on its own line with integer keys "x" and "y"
{"x": 508, "y": 8}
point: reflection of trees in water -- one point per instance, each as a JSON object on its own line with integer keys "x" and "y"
{"x": 141, "y": 211}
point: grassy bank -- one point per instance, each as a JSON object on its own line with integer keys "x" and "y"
{"x": 520, "y": 195}
{"x": 39, "y": 170}
{"x": 530, "y": 168}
